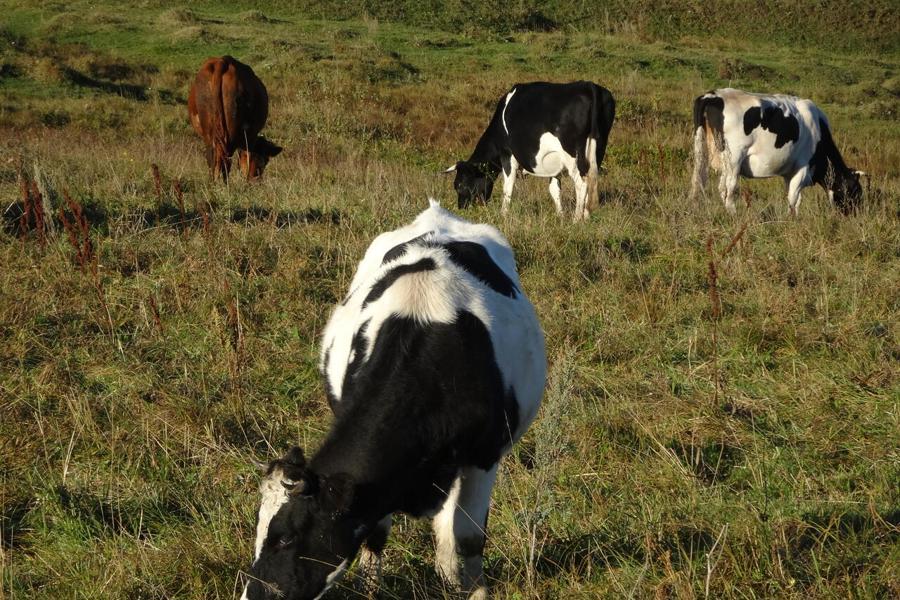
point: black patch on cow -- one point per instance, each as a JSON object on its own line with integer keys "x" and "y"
{"x": 475, "y": 260}
{"x": 358, "y": 347}
{"x": 400, "y": 249}
{"x": 428, "y": 401}
{"x": 770, "y": 117}
{"x": 709, "y": 112}
{"x": 388, "y": 279}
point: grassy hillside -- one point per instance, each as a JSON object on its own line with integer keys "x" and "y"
{"x": 732, "y": 435}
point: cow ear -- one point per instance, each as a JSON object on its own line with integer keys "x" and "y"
{"x": 451, "y": 169}
{"x": 293, "y": 467}
{"x": 336, "y": 491}
{"x": 267, "y": 148}
{"x": 294, "y": 457}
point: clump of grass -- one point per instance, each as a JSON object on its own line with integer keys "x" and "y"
{"x": 178, "y": 17}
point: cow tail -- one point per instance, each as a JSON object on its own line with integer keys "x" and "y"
{"x": 220, "y": 138}
{"x": 701, "y": 152}
{"x": 590, "y": 150}
{"x": 603, "y": 112}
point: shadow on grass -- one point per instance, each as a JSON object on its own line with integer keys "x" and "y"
{"x": 170, "y": 215}
{"x": 12, "y": 524}
{"x": 126, "y": 90}
{"x": 141, "y": 517}
{"x": 834, "y": 543}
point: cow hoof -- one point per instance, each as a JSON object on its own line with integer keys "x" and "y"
{"x": 479, "y": 594}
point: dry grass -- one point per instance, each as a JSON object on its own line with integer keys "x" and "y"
{"x": 738, "y": 446}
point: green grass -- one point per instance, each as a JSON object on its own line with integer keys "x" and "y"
{"x": 126, "y": 446}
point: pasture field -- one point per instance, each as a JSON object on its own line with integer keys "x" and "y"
{"x": 724, "y": 430}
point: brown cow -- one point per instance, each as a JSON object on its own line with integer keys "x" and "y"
{"x": 228, "y": 106}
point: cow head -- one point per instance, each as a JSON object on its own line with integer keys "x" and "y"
{"x": 846, "y": 190}
{"x": 305, "y": 538}
{"x": 472, "y": 184}
{"x": 254, "y": 162}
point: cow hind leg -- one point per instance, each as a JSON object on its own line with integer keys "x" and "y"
{"x": 581, "y": 196}
{"x": 460, "y": 531}
{"x": 729, "y": 180}
{"x": 510, "y": 168}
{"x": 370, "y": 556}
{"x": 555, "y": 194}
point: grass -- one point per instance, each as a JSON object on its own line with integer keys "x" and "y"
{"x": 135, "y": 397}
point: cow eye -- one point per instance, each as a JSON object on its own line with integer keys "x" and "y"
{"x": 285, "y": 542}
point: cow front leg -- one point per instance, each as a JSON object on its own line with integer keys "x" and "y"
{"x": 370, "y": 556}
{"x": 460, "y": 531}
{"x": 795, "y": 186}
{"x": 555, "y": 194}
{"x": 510, "y": 168}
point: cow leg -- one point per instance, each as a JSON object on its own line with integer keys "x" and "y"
{"x": 729, "y": 180}
{"x": 555, "y": 194}
{"x": 510, "y": 167}
{"x": 370, "y": 556}
{"x": 460, "y": 530}
{"x": 795, "y": 185}
{"x": 581, "y": 196}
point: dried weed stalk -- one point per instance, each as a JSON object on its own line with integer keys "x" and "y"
{"x": 157, "y": 182}
{"x": 32, "y": 216}
{"x": 79, "y": 235}
{"x": 154, "y": 310}
{"x": 179, "y": 197}
{"x": 712, "y": 277}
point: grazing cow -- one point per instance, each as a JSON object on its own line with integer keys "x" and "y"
{"x": 228, "y": 106}
{"x": 434, "y": 366}
{"x": 543, "y": 129}
{"x": 760, "y": 135}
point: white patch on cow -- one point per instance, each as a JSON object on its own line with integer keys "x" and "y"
{"x": 503, "y": 115}
{"x": 436, "y": 296}
{"x": 333, "y": 578}
{"x": 274, "y": 496}
{"x": 551, "y": 159}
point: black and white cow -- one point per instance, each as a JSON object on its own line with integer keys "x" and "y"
{"x": 543, "y": 129}
{"x": 761, "y": 135}
{"x": 434, "y": 366}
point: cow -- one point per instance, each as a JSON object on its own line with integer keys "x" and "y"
{"x": 228, "y": 106}
{"x": 543, "y": 129}
{"x": 761, "y": 135}
{"x": 434, "y": 365}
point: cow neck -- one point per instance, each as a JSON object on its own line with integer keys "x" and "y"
{"x": 371, "y": 461}
{"x": 486, "y": 155}
{"x": 828, "y": 151}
